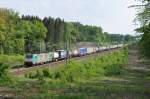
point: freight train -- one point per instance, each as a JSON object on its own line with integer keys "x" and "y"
{"x": 43, "y": 58}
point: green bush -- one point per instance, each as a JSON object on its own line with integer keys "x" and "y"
{"x": 46, "y": 73}
{"x": 106, "y": 65}
{"x": 4, "y": 76}
{"x": 31, "y": 75}
{"x": 58, "y": 74}
{"x": 113, "y": 69}
{"x": 3, "y": 70}
{"x": 12, "y": 60}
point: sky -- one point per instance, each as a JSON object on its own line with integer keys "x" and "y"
{"x": 113, "y": 16}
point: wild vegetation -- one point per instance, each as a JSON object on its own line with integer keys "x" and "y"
{"x": 60, "y": 82}
{"x": 108, "y": 65}
{"x": 12, "y": 60}
{"x": 120, "y": 74}
{"x": 143, "y": 17}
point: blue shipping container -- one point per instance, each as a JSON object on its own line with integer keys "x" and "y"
{"x": 83, "y": 51}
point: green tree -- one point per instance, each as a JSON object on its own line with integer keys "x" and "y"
{"x": 143, "y": 17}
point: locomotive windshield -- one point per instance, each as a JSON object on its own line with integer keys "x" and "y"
{"x": 29, "y": 56}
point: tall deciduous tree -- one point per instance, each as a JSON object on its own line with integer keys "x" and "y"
{"x": 143, "y": 17}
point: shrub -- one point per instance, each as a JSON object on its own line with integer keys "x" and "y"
{"x": 46, "y": 73}
{"x": 30, "y": 75}
{"x": 38, "y": 74}
{"x": 106, "y": 65}
{"x": 58, "y": 74}
{"x": 101, "y": 59}
{"x": 69, "y": 76}
{"x": 4, "y": 76}
{"x": 3, "y": 69}
{"x": 12, "y": 60}
{"x": 113, "y": 69}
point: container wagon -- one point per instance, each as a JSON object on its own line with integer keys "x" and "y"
{"x": 62, "y": 54}
{"x": 90, "y": 50}
{"x": 74, "y": 53}
{"x": 82, "y": 51}
{"x": 55, "y": 56}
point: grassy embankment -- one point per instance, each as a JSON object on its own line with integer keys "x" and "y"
{"x": 77, "y": 81}
{"x": 12, "y": 60}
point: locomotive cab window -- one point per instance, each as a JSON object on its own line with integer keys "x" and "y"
{"x": 29, "y": 56}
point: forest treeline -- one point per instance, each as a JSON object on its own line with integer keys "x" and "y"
{"x": 143, "y": 17}
{"x": 19, "y": 35}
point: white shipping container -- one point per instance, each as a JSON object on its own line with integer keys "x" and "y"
{"x": 46, "y": 57}
{"x": 56, "y": 55}
{"x": 104, "y": 48}
{"x": 40, "y": 56}
{"x": 43, "y": 57}
{"x": 63, "y": 54}
{"x": 51, "y": 55}
{"x": 90, "y": 50}
{"x": 120, "y": 45}
{"x": 75, "y": 52}
{"x": 95, "y": 49}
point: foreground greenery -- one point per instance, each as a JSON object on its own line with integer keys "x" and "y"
{"x": 107, "y": 65}
{"x": 71, "y": 82}
{"x": 109, "y": 76}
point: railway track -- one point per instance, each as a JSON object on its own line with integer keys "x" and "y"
{"x": 23, "y": 70}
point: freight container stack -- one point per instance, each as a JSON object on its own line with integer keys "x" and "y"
{"x": 82, "y": 51}
{"x": 35, "y": 59}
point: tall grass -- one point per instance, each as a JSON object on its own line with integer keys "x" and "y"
{"x": 46, "y": 83}
{"x": 5, "y": 78}
{"x": 106, "y": 65}
{"x": 12, "y": 60}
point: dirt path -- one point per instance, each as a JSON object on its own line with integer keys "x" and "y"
{"x": 138, "y": 69}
